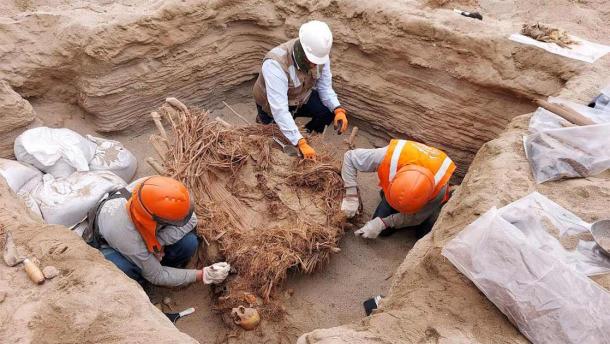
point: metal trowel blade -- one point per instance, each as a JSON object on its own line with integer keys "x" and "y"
{"x": 175, "y": 316}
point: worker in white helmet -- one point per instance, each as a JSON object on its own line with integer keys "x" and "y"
{"x": 295, "y": 81}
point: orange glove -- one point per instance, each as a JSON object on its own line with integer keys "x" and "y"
{"x": 306, "y": 150}
{"x": 340, "y": 120}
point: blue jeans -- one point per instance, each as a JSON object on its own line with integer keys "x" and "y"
{"x": 314, "y": 108}
{"x": 176, "y": 256}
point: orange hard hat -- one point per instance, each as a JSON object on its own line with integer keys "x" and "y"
{"x": 411, "y": 189}
{"x": 159, "y": 201}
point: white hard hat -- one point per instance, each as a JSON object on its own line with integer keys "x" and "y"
{"x": 316, "y": 39}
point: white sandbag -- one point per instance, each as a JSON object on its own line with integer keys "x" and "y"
{"x": 568, "y": 152}
{"x": 56, "y": 151}
{"x": 17, "y": 173}
{"x": 66, "y": 201}
{"x": 31, "y": 203}
{"x": 547, "y": 300}
{"x": 25, "y": 193}
{"x": 112, "y": 156}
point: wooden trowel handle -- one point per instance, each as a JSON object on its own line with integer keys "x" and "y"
{"x": 565, "y": 113}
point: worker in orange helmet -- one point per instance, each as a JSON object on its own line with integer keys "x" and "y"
{"x": 414, "y": 181}
{"x": 148, "y": 231}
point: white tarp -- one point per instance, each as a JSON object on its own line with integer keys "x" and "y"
{"x": 547, "y": 299}
{"x": 583, "y": 51}
{"x": 56, "y": 151}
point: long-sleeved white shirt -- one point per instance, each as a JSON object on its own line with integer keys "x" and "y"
{"x": 368, "y": 160}
{"x": 276, "y": 85}
{"x": 119, "y": 231}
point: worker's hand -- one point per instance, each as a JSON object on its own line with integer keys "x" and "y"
{"x": 306, "y": 150}
{"x": 340, "y": 121}
{"x": 216, "y": 273}
{"x": 351, "y": 202}
{"x": 371, "y": 229}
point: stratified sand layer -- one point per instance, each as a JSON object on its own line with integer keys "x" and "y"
{"x": 434, "y": 76}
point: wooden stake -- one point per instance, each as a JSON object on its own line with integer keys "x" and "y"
{"x": 154, "y": 141}
{"x": 235, "y": 112}
{"x": 223, "y": 122}
{"x": 564, "y": 112}
{"x": 157, "y": 119}
{"x": 156, "y": 166}
{"x": 177, "y": 104}
{"x": 352, "y": 137}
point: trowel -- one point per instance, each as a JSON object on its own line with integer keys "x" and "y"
{"x": 175, "y": 316}
{"x": 289, "y": 150}
{"x": 601, "y": 234}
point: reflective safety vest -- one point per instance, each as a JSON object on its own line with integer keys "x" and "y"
{"x": 404, "y": 152}
{"x": 300, "y": 83}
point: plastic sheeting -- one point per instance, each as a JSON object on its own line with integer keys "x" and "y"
{"x": 599, "y": 116}
{"x": 56, "y": 151}
{"x": 557, "y": 149}
{"x": 568, "y": 152}
{"x": 557, "y": 231}
{"x": 66, "y": 201}
{"x": 583, "y": 51}
{"x": 520, "y": 272}
{"x": 112, "y": 156}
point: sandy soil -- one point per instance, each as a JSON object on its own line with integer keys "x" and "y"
{"x": 330, "y": 297}
{"x": 403, "y": 67}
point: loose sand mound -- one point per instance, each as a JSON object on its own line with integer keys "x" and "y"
{"x": 265, "y": 211}
{"x": 91, "y": 301}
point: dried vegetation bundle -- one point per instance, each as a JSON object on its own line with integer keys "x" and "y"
{"x": 548, "y": 34}
{"x": 264, "y": 212}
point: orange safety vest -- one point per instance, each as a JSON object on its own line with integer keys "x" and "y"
{"x": 404, "y": 152}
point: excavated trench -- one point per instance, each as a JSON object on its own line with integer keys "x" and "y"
{"x": 400, "y": 72}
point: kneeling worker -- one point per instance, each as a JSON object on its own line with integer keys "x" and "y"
{"x": 295, "y": 81}
{"x": 414, "y": 180}
{"x": 147, "y": 231}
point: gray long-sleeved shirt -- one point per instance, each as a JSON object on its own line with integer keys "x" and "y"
{"x": 368, "y": 160}
{"x": 276, "y": 84}
{"x": 119, "y": 231}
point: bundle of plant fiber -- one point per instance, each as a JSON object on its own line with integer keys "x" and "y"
{"x": 265, "y": 212}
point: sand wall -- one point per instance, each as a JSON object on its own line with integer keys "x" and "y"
{"x": 440, "y": 78}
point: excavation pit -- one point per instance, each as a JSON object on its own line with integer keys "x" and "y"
{"x": 401, "y": 70}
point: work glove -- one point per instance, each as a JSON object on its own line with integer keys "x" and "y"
{"x": 371, "y": 229}
{"x": 340, "y": 121}
{"x": 216, "y": 273}
{"x": 350, "y": 202}
{"x": 306, "y": 150}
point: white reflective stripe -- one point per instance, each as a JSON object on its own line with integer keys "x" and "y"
{"x": 442, "y": 170}
{"x": 395, "y": 158}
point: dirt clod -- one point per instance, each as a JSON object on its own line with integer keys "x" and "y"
{"x": 50, "y": 272}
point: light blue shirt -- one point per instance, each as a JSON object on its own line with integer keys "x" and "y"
{"x": 276, "y": 84}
